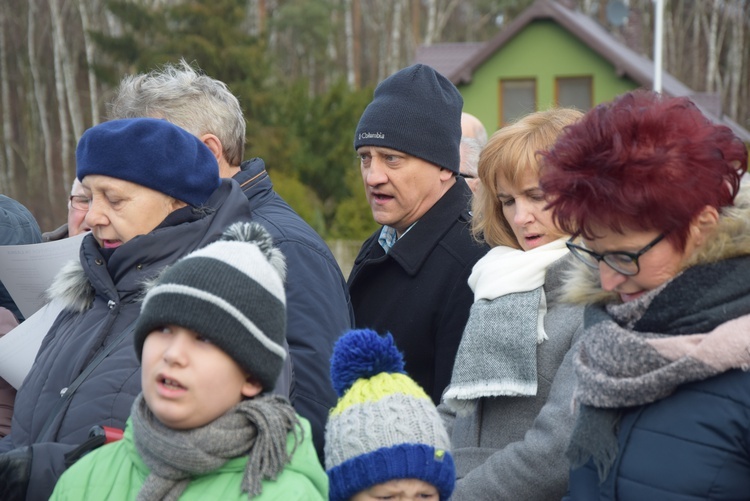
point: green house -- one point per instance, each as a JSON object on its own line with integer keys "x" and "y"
{"x": 551, "y": 55}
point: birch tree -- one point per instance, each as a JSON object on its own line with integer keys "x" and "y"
{"x": 39, "y": 92}
{"x": 735, "y": 58}
{"x": 394, "y": 40}
{"x": 83, "y": 9}
{"x": 9, "y": 167}
{"x": 351, "y": 74}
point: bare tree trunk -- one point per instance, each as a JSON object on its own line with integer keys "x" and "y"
{"x": 357, "y": 46}
{"x": 712, "y": 66}
{"x": 262, "y": 14}
{"x": 394, "y": 62}
{"x": 736, "y": 50}
{"x": 62, "y": 114}
{"x": 415, "y": 25}
{"x": 382, "y": 33}
{"x": 39, "y": 94}
{"x": 744, "y": 104}
{"x": 429, "y": 36}
{"x": 89, "y": 49}
{"x": 696, "y": 39}
{"x": 349, "y": 42}
{"x": 444, "y": 15}
{"x": 273, "y": 38}
{"x": 66, "y": 79}
{"x": 9, "y": 172}
{"x": 670, "y": 41}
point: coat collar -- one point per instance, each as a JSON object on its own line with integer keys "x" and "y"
{"x": 127, "y": 271}
{"x": 415, "y": 247}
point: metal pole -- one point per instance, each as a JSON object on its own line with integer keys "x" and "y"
{"x": 658, "y": 28}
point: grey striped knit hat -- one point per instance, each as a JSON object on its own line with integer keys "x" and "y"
{"x": 230, "y": 292}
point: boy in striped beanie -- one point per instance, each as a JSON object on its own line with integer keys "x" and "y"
{"x": 210, "y": 338}
{"x": 384, "y": 438}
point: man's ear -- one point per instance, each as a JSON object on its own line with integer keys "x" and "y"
{"x": 446, "y": 174}
{"x": 214, "y": 144}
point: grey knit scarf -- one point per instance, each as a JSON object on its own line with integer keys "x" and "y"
{"x": 497, "y": 354}
{"x": 619, "y": 366}
{"x": 257, "y": 427}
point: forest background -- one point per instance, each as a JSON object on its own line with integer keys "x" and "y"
{"x": 304, "y": 71}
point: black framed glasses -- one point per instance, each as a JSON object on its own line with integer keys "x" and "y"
{"x": 466, "y": 176}
{"x": 79, "y": 202}
{"x": 625, "y": 263}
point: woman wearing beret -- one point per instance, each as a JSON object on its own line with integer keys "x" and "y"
{"x": 508, "y": 402}
{"x": 155, "y": 196}
{"x": 651, "y": 190}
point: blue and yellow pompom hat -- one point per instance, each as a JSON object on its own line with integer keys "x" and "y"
{"x": 384, "y": 426}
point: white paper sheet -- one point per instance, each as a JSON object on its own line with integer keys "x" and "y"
{"x": 28, "y": 270}
{"x": 18, "y": 347}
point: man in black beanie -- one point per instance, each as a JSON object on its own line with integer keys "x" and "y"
{"x": 410, "y": 277}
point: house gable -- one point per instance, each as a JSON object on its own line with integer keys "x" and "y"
{"x": 555, "y": 53}
{"x": 579, "y": 38}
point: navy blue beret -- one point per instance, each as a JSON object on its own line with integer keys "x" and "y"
{"x": 153, "y": 153}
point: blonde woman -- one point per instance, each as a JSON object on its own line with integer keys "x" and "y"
{"x": 508, "y": 405}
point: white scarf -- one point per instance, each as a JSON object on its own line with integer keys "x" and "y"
{"x": 505, "y": 270}
{"x": 497, "y": 353}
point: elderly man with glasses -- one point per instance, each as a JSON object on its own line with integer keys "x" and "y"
{"x": 78, "y": 205}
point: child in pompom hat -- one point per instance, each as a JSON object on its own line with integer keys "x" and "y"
{"x": 210, "y": 337}
{"x": 384, "y": 438}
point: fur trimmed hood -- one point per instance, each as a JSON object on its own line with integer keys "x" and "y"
{"x": 72, "y": 287}
{"x": 732, "y": 239}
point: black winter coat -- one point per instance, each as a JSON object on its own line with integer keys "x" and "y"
{"x": 419, "y": 290}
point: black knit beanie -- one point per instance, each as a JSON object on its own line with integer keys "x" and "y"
{"x": 152, "y": 153}
{"x": 416, "y": 111}
{"x": 232, "y": 293}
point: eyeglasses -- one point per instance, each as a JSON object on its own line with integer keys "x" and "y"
{"x": 79, "y": 202}
{"x": 625, "y": 263}
{"x": 466, "y": 176}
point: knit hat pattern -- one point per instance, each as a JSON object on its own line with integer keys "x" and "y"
{"x": 384, "y": 426}
{"x": 415, "y": 111}
{"x": 232, "y": 293}
{"x": 152, "y": 153}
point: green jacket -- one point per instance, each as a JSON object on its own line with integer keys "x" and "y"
{"x": 116, "y": 472}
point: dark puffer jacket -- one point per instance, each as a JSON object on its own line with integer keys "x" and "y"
{"x": 101, "y": 301}
{"x": 17, "y": 227}
{"x": 317, "y": 299}
{"x": 695, "y": 443}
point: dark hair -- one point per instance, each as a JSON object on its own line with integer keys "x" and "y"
{"x": 643, "y": 162}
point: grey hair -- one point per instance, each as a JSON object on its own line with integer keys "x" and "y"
{"x": 185, "y": 96}
{"x": 470, "y": 150}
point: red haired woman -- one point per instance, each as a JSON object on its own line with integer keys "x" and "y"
{"x": 650, "y": 189}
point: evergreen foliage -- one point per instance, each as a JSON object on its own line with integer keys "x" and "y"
{"x": 304, "y": 137}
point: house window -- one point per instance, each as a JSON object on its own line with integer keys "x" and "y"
{"x": 575, "y": 92}
{"x": 517, "y": 98}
